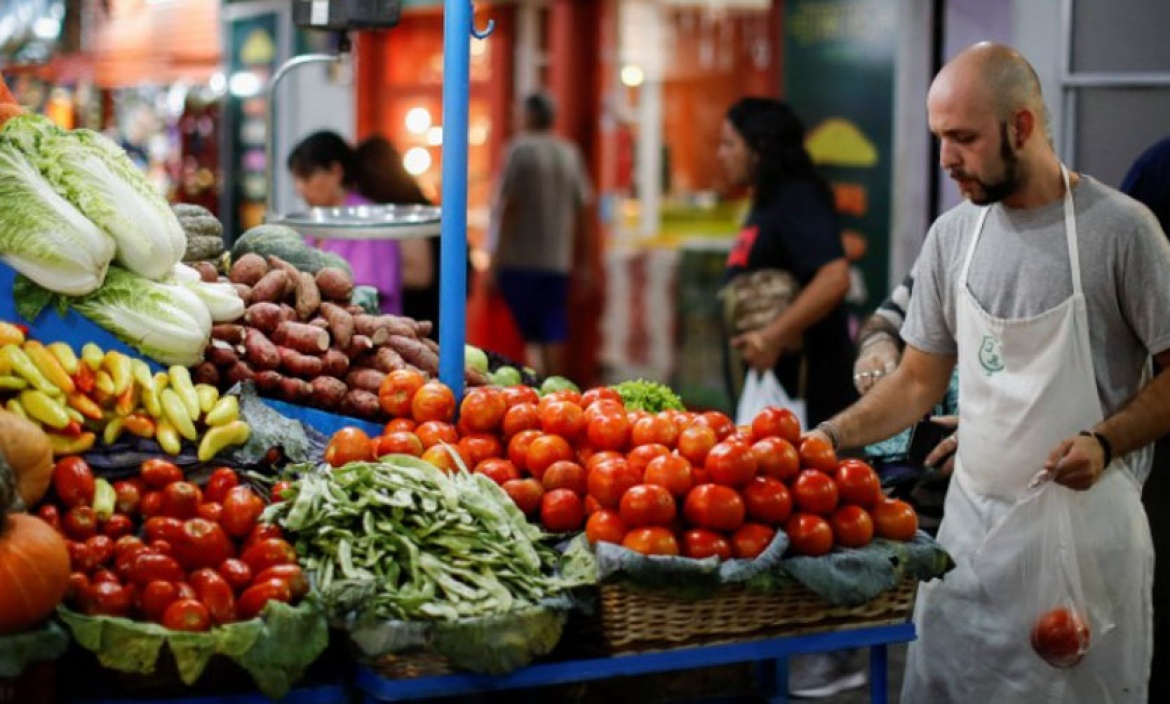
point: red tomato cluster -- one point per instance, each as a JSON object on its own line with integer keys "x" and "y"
{"x": 674, "y": 482}
{"x": 172, "y": 552}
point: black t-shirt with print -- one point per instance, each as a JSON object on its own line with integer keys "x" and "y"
{"x": 797, "y": 230}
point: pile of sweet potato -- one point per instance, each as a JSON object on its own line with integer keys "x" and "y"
{"x": 301, "y": 340}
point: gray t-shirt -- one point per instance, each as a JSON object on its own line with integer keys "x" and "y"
{"x": 1021, "y": 269}
{"x": 545, "y": 176}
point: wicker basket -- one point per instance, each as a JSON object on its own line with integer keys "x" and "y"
{"x": 647, "y": 620}
{"x": 411, "y": 665}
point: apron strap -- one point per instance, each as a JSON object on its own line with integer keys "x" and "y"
{"x": 971, "y": 249}
{"x": 1070, "y": 231}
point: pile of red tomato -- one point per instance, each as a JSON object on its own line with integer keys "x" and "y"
{"x": 671, "y": 483}
{"x": 169, "y": 551}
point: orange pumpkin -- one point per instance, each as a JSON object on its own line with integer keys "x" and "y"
{"x": 28, "y": 452}
{"x": 34, "y": 572}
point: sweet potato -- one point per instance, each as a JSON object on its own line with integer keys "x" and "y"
{"x": 302, "y": 337}
{"x": 244, "y": 292}
{"x": 231, "y": 333}
{"x": 275, "y": 262}
{"x": 306, "y": 366}
{"x": 360, "y": 403}
{"x": 415, "y": 353}
{"x": 365, "y": 379}
{"x": 319, "y": 322}
{"x": 269, "y": 381}
{"x": 474, "y": 377}
{"x": 334, "y": 363}
{"x": 308, "y": 298}
{"x": 221, "y": 353}
{"x": 273, "y": 287}
{"x": 205, "y": 373}
{"x": 260, "y": 351}
{"x": 327, "y": 391}
{"x": 207, "y": 271}
{"x": 431, "y": 344}
{"x": 265, "y": 316}
{"x": 424, "y": 328}
{"x": 394, "y": 324}
{"x": 341, "y": 324}
{"x": 334, "y": 283}
{"x": 248, "y": 270}
{"x": 295, "y": 390}
{"x": 387, "y": 360}
{"x": 240, "y": 371}
{"x": 358, "y": 345}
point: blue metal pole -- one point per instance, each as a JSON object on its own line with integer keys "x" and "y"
{"x": 457, "y": 19}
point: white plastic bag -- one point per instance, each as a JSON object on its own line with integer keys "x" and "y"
{"x": 763, "y": 389}
{"x": 1046, "y": 586}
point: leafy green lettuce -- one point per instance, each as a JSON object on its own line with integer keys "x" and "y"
{"x": 42, "y": 235}
{"x": 97, "y": 177}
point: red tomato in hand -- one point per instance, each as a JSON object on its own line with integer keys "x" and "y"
{"x": 221, "y": 481}
{"x": 767, "y": 501}
{"x": 777, "y": 458}
{"x": 808, "y": 534}
{"x": 186, "y": 615}
{"x": 483, "y": 409}
{"x": 750, "y": 540}
{"x": 498, "y": 470}
{"x": 396, "y": 393}
{"x": 647, "y": 505}
{"x": 731, "y": 464}
{"x": 433, "y": 401}
{"x": 241, "y": 508}
{"x": 671, "y": 472}
{"x": 605, "y": 526}
{"x": 180, "y": 500}
{"x": 858, "y": 483}
{"x": 714, "y": 506}
{"x": 895, "y": 519}
{"x": 349, "y": 445}
{"x": 815, "y": 492}
{"x": 157, "y": 473}
{"x": 816, "y": 453}
{"x": 73, "y": 481}
{"x": 651, "y": 540}
{"x": 1061, "y": 637}
{"x": 775, "y": 422}
{"x": 852, "y": 526}
{"x": 561, "y": 511}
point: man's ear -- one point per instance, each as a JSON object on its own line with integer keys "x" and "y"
{"x": 1024, "y": 123}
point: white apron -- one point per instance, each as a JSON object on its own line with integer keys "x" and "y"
{"x": 1025, "y": 385}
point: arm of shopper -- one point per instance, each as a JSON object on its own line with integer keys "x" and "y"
{"x": 1078, "y": 461}
{"x": 761, "y": 348}
{"x": 418, "y": 266}
{"x": 893, "y": 405}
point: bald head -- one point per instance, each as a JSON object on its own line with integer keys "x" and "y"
{"x": 998, "y": 76}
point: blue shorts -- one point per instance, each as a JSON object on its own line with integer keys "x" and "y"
{"x": 538, "y": 301}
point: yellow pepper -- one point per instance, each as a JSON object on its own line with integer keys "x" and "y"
{"x": 175, "y": 412}
{"x": 220, "y": 437}
{"x": 168, "y": 437}
{"x": 181, "y": 383}
{"x": 64, "y": 445}
{"x": 226, "y": 409}
{"x": 16, "y": 383}
{"x": 84, "y": 405}
{"x": 47, "y": 364}
{"x": 127, "y": 401}
{"x": 118, "y": 366}
{"x": 149, "y": 393}
{"x": 140, "y": 424}
{"x": 40, "y": 406}
{"x": 24, "y": 366}
{"x": 65, "y": 355}
{"x": 92, "y": 355}
{"x": 10, "y": 334}
{"x": 113, "y": 430}
{"x": 208, "y": 396}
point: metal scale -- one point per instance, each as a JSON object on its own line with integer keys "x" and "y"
{"x": 398, "y": 221}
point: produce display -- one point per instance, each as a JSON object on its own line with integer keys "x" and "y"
{"x": 81, "y": 397}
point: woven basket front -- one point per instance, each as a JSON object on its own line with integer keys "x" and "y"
{"x": 406, "y": 666}
{"x": 644, "y": 620}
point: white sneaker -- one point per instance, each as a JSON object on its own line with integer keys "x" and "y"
{"x": 821, "y": 675}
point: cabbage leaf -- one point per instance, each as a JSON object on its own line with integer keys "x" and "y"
{"x": 42, "y": 235}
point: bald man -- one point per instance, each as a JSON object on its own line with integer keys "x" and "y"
{"x": 1051, "y": 294}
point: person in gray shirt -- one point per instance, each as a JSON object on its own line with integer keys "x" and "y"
{"x": 1051, "y": 294}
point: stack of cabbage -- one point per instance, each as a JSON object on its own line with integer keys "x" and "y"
{"x": 70, "y": 203}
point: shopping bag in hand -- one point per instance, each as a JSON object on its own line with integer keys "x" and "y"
{"x": 763, "y": 389}
{"x": 1040, "y": 576}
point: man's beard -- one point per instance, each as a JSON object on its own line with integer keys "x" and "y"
{"x": 1007, "y": 185}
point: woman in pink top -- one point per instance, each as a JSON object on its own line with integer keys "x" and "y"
{"x": 328, "y": 172}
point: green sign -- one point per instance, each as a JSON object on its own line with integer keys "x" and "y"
{"x": 839, "y": 78}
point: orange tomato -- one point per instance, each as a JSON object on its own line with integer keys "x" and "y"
{"x": 816, "y": 453}
{"x": 605, "y": 526}
{"x": 852, "y": 526}
{"x": 349, "y": 445}
{"x": 895, "y": 519}
{"x": 808, "y": 534}
{"x": 651, "y": 540}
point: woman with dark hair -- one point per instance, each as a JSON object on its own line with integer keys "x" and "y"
{"x": 792, "y": 226}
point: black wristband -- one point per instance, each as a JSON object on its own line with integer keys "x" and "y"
{"x": 1103, "y": 441}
